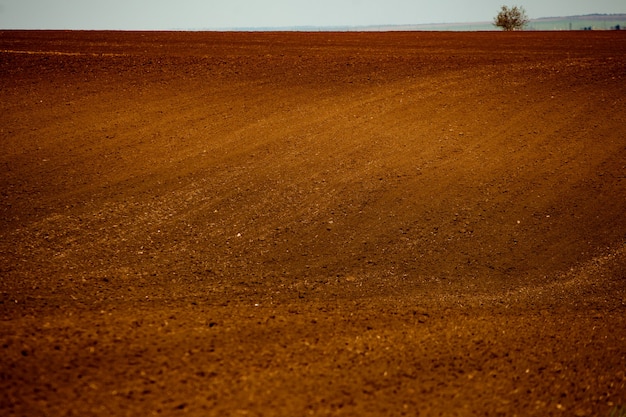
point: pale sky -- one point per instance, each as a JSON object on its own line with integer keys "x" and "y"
{"x": 229, "y": 14}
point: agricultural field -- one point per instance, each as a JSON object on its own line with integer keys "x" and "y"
{"x": 293, "y": 223}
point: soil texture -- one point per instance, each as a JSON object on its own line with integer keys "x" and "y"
{"x": 292, "y": 224}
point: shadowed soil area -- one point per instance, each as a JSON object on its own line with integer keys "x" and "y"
{"x": 290, "y": 224}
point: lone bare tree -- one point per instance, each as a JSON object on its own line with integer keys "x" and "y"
{"x": 513, "y": 18}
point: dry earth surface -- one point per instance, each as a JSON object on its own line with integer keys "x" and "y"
{"x": 290, "y": 224}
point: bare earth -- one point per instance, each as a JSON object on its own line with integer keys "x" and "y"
{"x": 291, "y": 224}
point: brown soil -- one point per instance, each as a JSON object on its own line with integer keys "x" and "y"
{"x": 290, "y": 224}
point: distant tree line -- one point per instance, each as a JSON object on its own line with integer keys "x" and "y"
{"x": 616, "y": 27}
{"x": 515, "y": 18}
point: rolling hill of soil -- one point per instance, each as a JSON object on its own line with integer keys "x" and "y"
{"x": 288, "y": 224}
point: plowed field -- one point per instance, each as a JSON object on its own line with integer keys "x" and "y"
{"x": 290, "y": 224}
